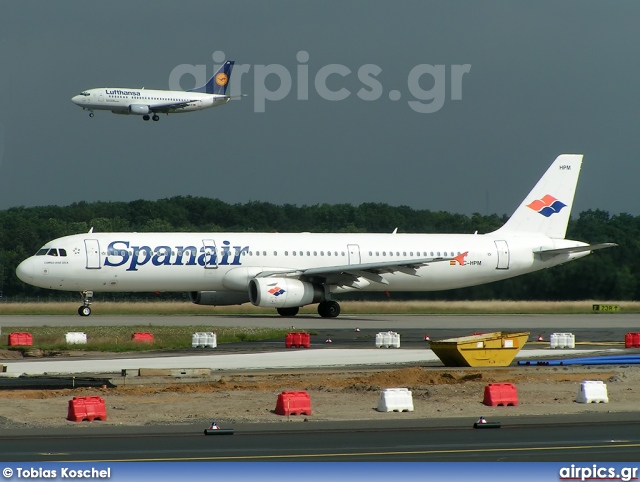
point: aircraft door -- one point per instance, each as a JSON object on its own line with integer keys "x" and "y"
{"x": 210, "y": 255}
{"x": 502, "y": 249}
{"x": 100, "y": 97}
{"x": 92, "y": 247}
{"x": 354, "y": 253}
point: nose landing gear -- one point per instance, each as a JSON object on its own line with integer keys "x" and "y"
{"x": 87, "y": 298}
{"x": 90, "y": 114}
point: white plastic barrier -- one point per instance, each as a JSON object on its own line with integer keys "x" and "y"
{"x": 395, "y": 400}
{"x": 204, "y": 340}
{"x": 388, "y": 339}
{"x": 592, "y": 391}
{"x": 76, "y": 338}
{"x": 562, "y": 340}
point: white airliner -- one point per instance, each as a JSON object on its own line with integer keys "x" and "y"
{"x": 287, "y": 271}
{"x": 144, "y": 102}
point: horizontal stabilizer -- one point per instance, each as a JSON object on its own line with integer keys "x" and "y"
{"x": 550, "y": 253}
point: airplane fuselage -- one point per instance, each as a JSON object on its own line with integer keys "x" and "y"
{"x": 120, "y": 100}
{"x": 138, "y": 262}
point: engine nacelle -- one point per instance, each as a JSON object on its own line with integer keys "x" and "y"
{"x": 218, "y": 298}
{"x": 283, "y": 292}
{"x": 139, "y": 109}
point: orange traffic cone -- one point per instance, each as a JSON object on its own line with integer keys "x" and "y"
{"x": 540, "y": 338}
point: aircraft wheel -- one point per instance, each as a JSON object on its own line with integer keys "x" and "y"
{"x": 156, "y": 118}
{"x": 90, "y": 114}
{"x": 288, "y": 311}
{"x": 145, "y": 117}
{"x": 329, "y": 309}
{"x": 84, "y": 311}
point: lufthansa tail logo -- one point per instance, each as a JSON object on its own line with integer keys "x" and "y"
{"x": 222, "y": 79}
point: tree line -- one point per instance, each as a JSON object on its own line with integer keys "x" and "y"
{"x": 611, "y": 274}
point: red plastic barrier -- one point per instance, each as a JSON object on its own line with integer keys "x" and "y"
{"x": 297, "y": 340}
{"x": 500, "y": 394}
{"x": 293, "y": 403}
{"x": 86, "y": 408}
{"x": 20, "y": 339}
{"x": 632, "y": 340}
{"x": 142, "y": 337}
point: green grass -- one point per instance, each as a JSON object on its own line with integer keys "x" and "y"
{"x": 160, "y": 308}
{"x": 118, "y": 338}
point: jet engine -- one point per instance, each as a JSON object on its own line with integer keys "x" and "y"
{"x": 218, "y": 298}
{"x": 139, "y": 109}
{"x": 283, "y": 292}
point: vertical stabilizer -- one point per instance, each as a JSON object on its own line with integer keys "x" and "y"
{"x": 219, "y": 83}
{"x": 547, "y": 208}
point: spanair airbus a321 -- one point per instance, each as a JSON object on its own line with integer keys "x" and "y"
{"x": 288, "y": 271}
{"x": 150, "y": 103}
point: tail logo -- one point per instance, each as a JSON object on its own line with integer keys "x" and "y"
{"x": 276, "y": 291}
{"x": 547, "y": 206}
{"x": 222, "y": 79}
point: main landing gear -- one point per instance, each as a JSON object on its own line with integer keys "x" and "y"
{"x": 87, "y": 298}
{"x": 329, "y": 309}
{"x": 155, "y": 117}
{"x": 326, "y": 309}
{"x": 288, "y": 311}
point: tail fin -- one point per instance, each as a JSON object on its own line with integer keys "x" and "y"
{"x": 219, "y": 83}
{"x": 547, "y": 208}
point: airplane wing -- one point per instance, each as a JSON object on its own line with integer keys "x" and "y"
{"x": 347, "y": 275}
{"x": 169, "y": 107}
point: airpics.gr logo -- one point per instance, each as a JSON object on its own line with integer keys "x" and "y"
{"x": 276, "y": 291}
{"x": 547, "y": 206}
{"x": 222, "y": 79}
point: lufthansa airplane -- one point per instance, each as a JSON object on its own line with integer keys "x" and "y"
{"x": 146, "y": 102}
{"x": 287, "y": 271}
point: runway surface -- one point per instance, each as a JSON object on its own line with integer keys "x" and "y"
{"x": 613, "y": 438}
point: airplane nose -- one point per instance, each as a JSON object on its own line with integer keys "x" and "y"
{"x": 24, "y": 271}
{"x": 76, "y": 99}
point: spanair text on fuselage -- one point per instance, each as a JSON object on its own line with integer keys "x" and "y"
{"x": 211, "y": 261}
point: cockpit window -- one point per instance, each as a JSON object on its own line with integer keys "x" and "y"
{"x": 51, "y": 252}
{"x": 85, "y": 94}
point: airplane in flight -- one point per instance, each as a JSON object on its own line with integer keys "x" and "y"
{"x": 150, "y": 103}
{"x": 286, "y": 271}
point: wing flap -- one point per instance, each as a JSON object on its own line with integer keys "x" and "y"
{"x": 168, "y": 107}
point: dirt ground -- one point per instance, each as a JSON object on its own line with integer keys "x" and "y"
{"x": 335, "y": 395}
